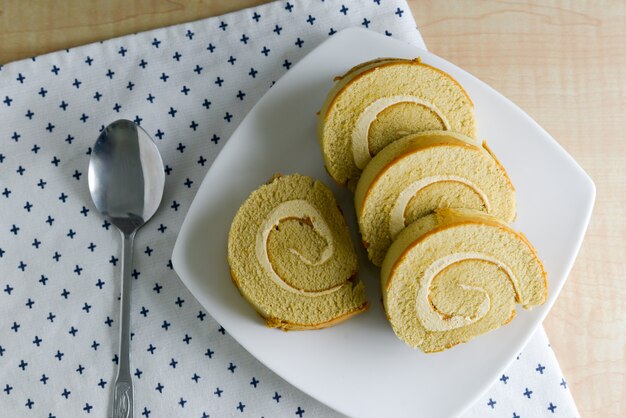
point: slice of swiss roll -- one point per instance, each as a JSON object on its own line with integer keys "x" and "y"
{"x": 291, "y": 255}
{"x": 413, "y": 176}
{"x": 457, "y": 274}
{"x": 380, "y": 101}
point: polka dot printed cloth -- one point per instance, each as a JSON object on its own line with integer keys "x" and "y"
{"x": 189, "y": 86}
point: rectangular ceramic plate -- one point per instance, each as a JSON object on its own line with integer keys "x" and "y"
{"x": 359, "y": 367}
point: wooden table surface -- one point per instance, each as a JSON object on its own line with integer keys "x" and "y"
{"x": 563, "y": 62}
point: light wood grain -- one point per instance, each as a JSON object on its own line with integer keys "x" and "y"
{"x": 34, "y": 27}
{"x": 564, "y": 62}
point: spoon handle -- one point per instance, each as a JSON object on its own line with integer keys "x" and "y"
{"x": 123, "y": 390}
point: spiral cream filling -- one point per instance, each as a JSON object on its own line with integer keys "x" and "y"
{"x": 294, "y": 209}
{"x": 360, "y": 144}
{"x": 397, "y": 219}
{"x": 431, "y": 319}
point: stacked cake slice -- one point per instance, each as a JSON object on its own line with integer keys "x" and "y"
{"x": 380, "y": 101}
{"x": 419, "y": 173}
{"x": 433, "y": 203}
{"x": 457, "y": 274}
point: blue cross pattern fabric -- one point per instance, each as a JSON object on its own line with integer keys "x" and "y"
{"x": 189, "y": 86}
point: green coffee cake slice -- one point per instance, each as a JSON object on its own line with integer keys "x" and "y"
{"x": 291, "y": 255}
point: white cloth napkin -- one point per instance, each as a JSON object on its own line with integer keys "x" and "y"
{"x": 188, "y": 86}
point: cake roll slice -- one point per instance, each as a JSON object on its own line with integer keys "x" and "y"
{"x": 457, "y": 274}
{"x": 419, "y": 173}
{"x": 291, "y": 255}
{"x": 380, "y": 101}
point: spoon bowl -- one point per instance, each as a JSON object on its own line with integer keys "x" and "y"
{"x": 126, "y": 181}
{"x": 126, "y": 176}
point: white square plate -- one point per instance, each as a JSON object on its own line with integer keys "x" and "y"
{"x": 359, "y": 367}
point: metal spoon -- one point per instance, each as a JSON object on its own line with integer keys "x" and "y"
{"x": 126, "y": 180}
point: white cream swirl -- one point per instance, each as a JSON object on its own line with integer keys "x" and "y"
{"x": 434, "y": 321}
{"x": 360, "y": 143}
{"x": 294, "y": 209}
{"x": 397, "y": 220}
